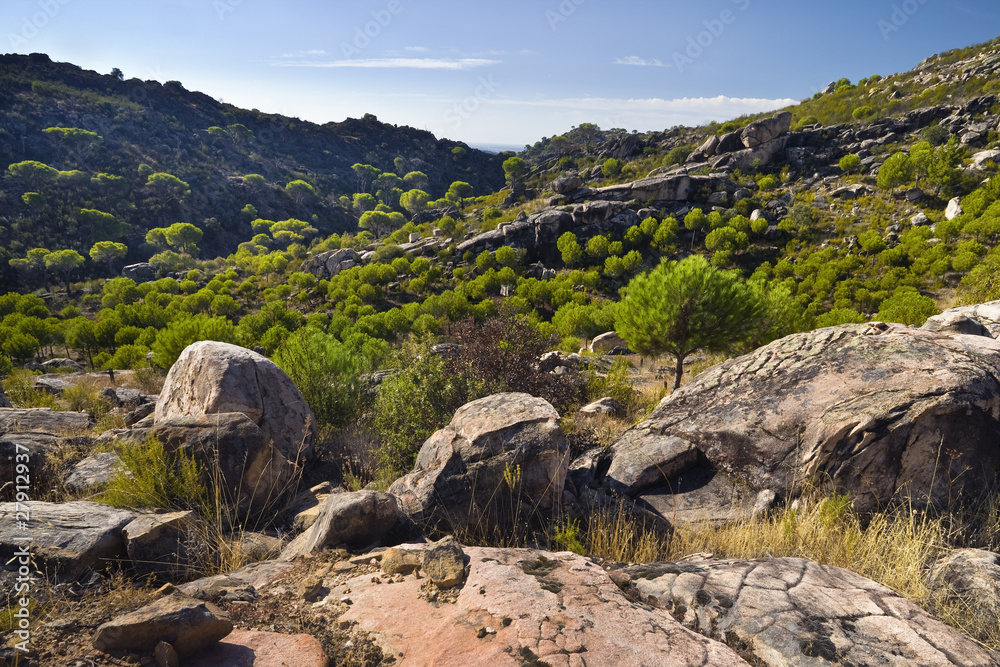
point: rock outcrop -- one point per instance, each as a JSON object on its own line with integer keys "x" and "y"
{"x": 212, "y": 377}
{"x": 874, "y": 410}
{"x": 985, "y": 314}
{"x": 500, "y": 457}
{"x": 789, "y": 611}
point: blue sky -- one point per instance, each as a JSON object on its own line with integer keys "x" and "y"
{"x": 503, "y": 73}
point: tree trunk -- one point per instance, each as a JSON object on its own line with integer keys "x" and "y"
{"x": 679, "y": 372}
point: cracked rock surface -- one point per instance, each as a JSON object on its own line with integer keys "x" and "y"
{"x": 519, "y": 607}
{"x": 794, "y": 612}
{"x": 871, "y": 409}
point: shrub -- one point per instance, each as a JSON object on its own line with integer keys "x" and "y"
{"x": 325, "y": 371}
{"x": 850, "y": 163}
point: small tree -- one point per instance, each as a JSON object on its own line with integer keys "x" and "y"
{"x": 680, "y": 307}
{"x": 458, "y": 191}
{"x": 414, "y": 201}
{"x": 515, "y": 169}
{"x": 64, "y": 262}
{"x": 570, "y": 248}
{"x": 895, "y": 171}
{"x": 109, "y": 252}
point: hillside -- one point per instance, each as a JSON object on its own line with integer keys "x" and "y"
{"x": 132, "y": 129}
{"x": 449, "y": 380}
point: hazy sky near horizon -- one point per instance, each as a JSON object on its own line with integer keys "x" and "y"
{"x": 500, "y": 73}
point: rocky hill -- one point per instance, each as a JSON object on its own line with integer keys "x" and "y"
{"x": 118, "y": 132}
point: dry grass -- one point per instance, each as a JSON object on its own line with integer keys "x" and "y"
{"x": 894, "y": 548}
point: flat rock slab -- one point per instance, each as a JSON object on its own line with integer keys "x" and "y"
{"x": 790, "y": 611}
{"x": 256, "y": 576}
{"x": 246, "y": 648}
{"x": 187, "y": 624}
{"x": 70, "y": 538}
{"x": 43, "y": 420}
{"x": 520, "y": 606}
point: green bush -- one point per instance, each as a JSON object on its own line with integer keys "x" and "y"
{"x": 325, "y": 371}
{"x": 411, "y": 405}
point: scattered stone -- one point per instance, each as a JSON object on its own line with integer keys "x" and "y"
{"x": 140, "y": 273}
{"x": 238, "y": 583}
{"x": 166, "y": 655}
{"x": 212, "y": 377}
{"x": 920, "y": 220}
{"x": 42, "y": 420}
{"x": 355, "y": 519}
{"x": 789, "y": 611}
{"x": 400, "y": 561}
{"x": 444, "y": 563}
{"x": 160, "y": 544}
{"x": 92, "y": 473}
{"x": 604, "y": 406}
{"x": 52, "y": 385}
{"x": 61, "y": 364}
{"x": 310, "y": 588}
{"x": 189, "y": 625}
{"x": 240, "y": 455}
{"x": 980, "y": 159}
{"x": 567, "y": 183}
{"x": 954, "y": 209}
{"x": 987, "y": 314}
{"x": 765, "y": 130}
{"x": 608, "y": 343}
{"x": 497, "y": 451}
{"x": 133, "y": 417}
{"x": 970, "y": 576}
{"x": 951, "y": 322}
{"x": 914, "y": 195}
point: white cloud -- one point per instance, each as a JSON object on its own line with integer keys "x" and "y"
{"x": 640, "y": 62}
{"x": 416, "y": 49}
{"x": 395, "y": 63}
{"x": 305, "y": 54}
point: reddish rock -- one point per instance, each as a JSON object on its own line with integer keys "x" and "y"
{"x": 519, "y": 606}
{"x": 246, "y": 648}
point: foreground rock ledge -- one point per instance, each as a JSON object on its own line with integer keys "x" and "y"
{"x": 520, "y": 607}
{"x": 789, "y": 611}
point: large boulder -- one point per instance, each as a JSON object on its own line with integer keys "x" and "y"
{"x": 212, "y": 377}
{"x": 500, "y": 457}
{"x": 567, "y": 183}
{"x": 235, "y": 453}
{"x": 766, "y": 130}
{"x": 140, "y": 273}
{"x": 92, "y": 473}
{"x": 786, "y": 612}
{"x": 68, "y": 539}
{"x": 873, "y": 410}
{"x": 523, "y": 607}
{"x": 162, "y": 545}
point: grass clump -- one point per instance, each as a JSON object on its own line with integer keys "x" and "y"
{"x": 148, "y": 476}
{"x": 20, "y": 389}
